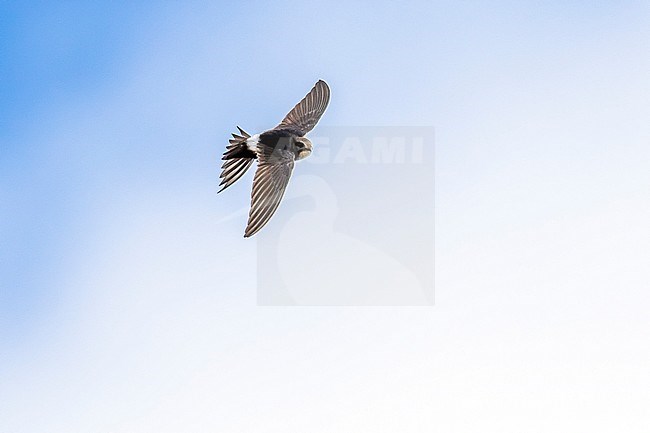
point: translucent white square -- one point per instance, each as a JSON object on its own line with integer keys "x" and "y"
{"x": 356, "y": 225}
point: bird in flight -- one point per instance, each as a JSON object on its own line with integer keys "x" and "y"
{"x": 276, "y": 150}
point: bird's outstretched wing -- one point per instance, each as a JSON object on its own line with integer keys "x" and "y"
{"x": 305, "y": 115}
{"x": 271, "y": 179}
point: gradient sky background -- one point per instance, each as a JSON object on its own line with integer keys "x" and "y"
{"x": 126, "y": 307}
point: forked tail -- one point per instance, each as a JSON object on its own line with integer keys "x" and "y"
{"x": 238, "y": 157}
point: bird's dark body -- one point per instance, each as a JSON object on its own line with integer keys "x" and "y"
{"x": 279, "y": 139}
{"x": 272, "y": 140}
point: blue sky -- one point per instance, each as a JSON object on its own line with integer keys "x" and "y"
{"x": 128, "y": 296}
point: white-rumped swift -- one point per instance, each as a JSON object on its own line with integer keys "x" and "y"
{"x": 275, "y": 151}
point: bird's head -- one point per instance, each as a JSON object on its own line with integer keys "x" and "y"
{"x": 303, "y": 147}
